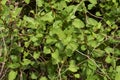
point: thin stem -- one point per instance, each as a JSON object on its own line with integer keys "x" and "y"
{"x": 5, "y": 47}
{"x": 94, "y": 63}
{"x": 5, "y": 54}
{"x": 1, "y": 77}
{"x": 21, "y": 75}
{"x": 2, "y": 68}
{"x": 59, "y": 72}
{"x": 94, "y": 15}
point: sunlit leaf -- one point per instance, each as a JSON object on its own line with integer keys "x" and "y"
{"x": 108, "y": 59}
{"x": 91, "y": 64}
{"x": 117, "y": 76}
{"x": 14, "y": 65}
{"x": 33, "y": 76}
{"x": 27, "y": 1}
{"x": 33, "y": 38}
{"x": 26, "y": 62}
{"x": 78, "y": 23}
{"x": 39, "y": 3}
{"x": 109, "y": 50}
{"x": 43, "y": 78}
{"x": 47, "y": 50}
{"x": 77, "y": 75}
{"x": 36, "y": 55}
{"x": 56, "y": 57}
{"x": 48, "y": 17}
{"x": 92, "y": 21}
{"x": 72, "y": 66}
{"x": 93, "y": 1}
{"x": 3, "y": 2}
{"x": 12, "y": 75}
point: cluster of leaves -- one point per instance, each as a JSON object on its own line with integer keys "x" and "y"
{"x": 59, "y": 40}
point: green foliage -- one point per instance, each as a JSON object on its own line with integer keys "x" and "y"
{"x": 59, "y": 40}
{"x": 27, "y": 1}
{"x": 12, "y": 75}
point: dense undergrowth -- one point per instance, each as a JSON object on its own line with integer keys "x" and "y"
{"x": 59, "y": 40}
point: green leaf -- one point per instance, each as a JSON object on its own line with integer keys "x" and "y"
{"x": 70, "y": 48}
{"x": 89, "y": 73}
{"x": 36, "y": 55}
{"x": 98, "y": 14}
{"x": 3, "y": 2}
{"x": 90, "y": 6}
{"x": 39, "y": 35}
{"x": 109, "y": 22}
{"x": 1, "y": 28}
{"x": 100, "y": 37}
{"x": 20, "y": 49}
{"x": 48, "y": 17}
{"x": 117, "y": 76}
{"x": 117, "y": 52}
{"x": 14, "y": 58}
{"x": 67, "y": 40}
{"x": 114, "y": 1}
{"x": 14, "y": 65}
{"x": 77, "y": 75}
{"x": 16, "y": 12}
{"x": 69, "y": 9}
{"x": 60, "y": 46}
{"x": 118, "y": 69}
{"x": 39, "y": 3}
{"x": 92, "y": 43}
{"x": 108, "y": 59}
{"x": 57, "y": 24}
{"x": 27, "y": 1}
{"x": 33, "y": 76}
{"x": 78, "y": 23}
{"x": 25, "y": 54}
{"x": 27, "y": 44}
{"x": 68, "y": 0}
{"x": 50, "y": 40}
{"x": 72, "y": 66}
{"x": 91, "y": 64}
{"x": 72, "y": 45}
{"x": 61, "y": 34}
{"x": 92, "y": 21}
{"x": 98, "y": 53}
{"x": 109, "y": 50}
{"x": 26, "y": 62}
{"x": 90, "y": 37}
{"x": 83, "y": 47}
{"x": 60, "y": 5}
{"x": 1, "y": 59}
{"x": 93, "y": 1}
{"x": 46, "y": 50}
{"x": 33, "y": 38}
{"x": 56, "y": 57}
{"x": 43, "y": 78}
{"x": 31, "y": 23}
{"x": 12, "y": 75}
